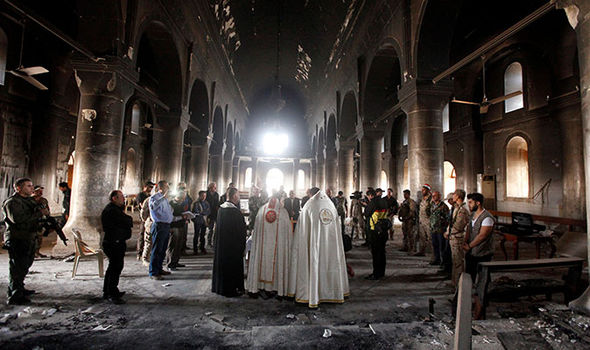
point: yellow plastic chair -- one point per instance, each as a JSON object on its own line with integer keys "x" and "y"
{"x": 83, "y": 250}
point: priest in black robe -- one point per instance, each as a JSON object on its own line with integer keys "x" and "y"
{"x": 230, "y": 242}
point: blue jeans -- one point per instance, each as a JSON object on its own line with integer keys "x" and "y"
{"x": 438, "y": 246}
{"x": 160, "y": 237}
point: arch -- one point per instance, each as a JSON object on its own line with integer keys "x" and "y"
{"x": 274, "y": 180}
{"x": 135, "y": 119}
{"x": 237, "y": 142}
{"x": 517, "y": 167}
{"x": 449, "y": 178}
{"x": 198, "y": 109}
{"x": 156, "y": 45}
{"x": 217, "y": 128}
{"x": 331, "y": 133}
{"x": 405, "y": 132}
{"x": 513, "y": 81}
{"x": 130, "y": 184}
{"x": 321, "y": 143}
{"x": 229, "y": 142}
{"x": 383, "y": 78}
{"x": 349, "y": 116}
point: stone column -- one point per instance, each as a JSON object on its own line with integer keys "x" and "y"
{"x": 313, "y": 168}
{"x": 370, "y": 158}
{"x": 578, "y": 12}
{"x": 170, "y": 154}
{"x": 388, "y": 162}
{"x": 295, "y": 174}
{"x": 198, "y": 169}
{"x": 423, "y": 106}
{"x": 572, "y": 165}
{"x": 255, "y": 171}
{"x": 346, "y": 168}
{"x": 331, "y": 172}
{"x": 320, "y": 172}
{"x": 215, "y": 171}
{"x": 235, "y": 171}
{"x": 227, "y": 169}
{"x": 103, "y": 95}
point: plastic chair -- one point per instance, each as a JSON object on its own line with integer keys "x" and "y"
{"x": 83, "y": 250}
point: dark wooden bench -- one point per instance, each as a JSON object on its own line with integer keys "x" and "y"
{"x": 485, "y": 269}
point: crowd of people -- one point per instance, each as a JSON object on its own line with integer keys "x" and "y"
{"x": 293, "y": 247}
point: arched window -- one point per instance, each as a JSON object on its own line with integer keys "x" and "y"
{"x": 513, "y": 83}
{"x": 248, "y": 178}
{"x": 130, "y": 184}
{"x": 450, "y": 182}
{"x": 405, "y": 133}
{"x": 383, "y": 183}
{"x": 300, "y": 179}
{"x": 445, "y": 118}
{"x": 406, "y": 178}
{"x": 135, "y": 118}
{"x": 517, "y": 168}
{"x": 274, "y": 180}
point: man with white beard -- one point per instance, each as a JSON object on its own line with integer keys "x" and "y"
{"x": 268, "y": 270}
{"x": 317, "y": 273}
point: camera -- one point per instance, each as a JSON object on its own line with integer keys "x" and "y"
{"x": 356, "y": 195}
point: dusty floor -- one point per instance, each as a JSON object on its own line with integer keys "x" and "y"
{"x": 181, "y": 312}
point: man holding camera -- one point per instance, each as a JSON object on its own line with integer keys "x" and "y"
{"x": 22, "y": 218}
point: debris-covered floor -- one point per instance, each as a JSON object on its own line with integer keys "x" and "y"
{"x": 182, "y": 312}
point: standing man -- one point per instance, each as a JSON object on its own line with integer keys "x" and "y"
{"x": 228, "y": 264}
{"x": 223, "y": 197}
{"x": 356, "y": 213}
{"x": 341, "y": 208}
{"x": 178, "y": 228}
{"x": 375, "y": 211}
{"x": 116, "y": 226}
{"x": 305, "y": 198}
{"x": 439, "y": 216}
{"x": 456, "y": 234}
{"x": 392, "y": 208}
{"x": 424, "y": 221}
{"x": 479, "y": 241}
{"x": 407, "y": 215}
{"x": 140, "y": 199}
{"x": 63, "y": 187}
{"x": 22, "y": 216}
{"x": 254, "y": 203}
{"x": 161, "y": 214}
{"x": 43, "y": 203}
{"x": 293, "y": 205}
{"x": 201, "y": 210}
{"x": 213, "y": 199}
{"x": 317, "y": 272}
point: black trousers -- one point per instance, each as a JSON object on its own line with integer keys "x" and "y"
{"x": 115, "y": 251}
{"x": 199, "y": 237}
{"x": 471, "y": 264}
{"x": 21, "y": 255}
{"x": 377, "y": 243}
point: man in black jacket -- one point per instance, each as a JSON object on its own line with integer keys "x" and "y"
{"x": 117, "y": 229}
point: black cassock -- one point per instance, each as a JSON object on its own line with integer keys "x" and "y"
{"x": 230, "y": 242}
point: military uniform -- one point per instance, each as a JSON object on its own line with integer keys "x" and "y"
{"x": 358, "y": 223}
{"x": 458, "y": 225}
{"x": 424, "y": 225}
{"x": 22, "y": 218}
{"x": 407, "y": 215}
{"x": 42, "y": 202}
{"x": 439, "y": 220}
{"x": 147, "y": 232}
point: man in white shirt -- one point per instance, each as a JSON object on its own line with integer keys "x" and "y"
{"x": 479, "y": 241}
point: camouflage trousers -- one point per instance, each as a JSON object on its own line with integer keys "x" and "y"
{"x": 147, "y": 242}
{"x": 358, "y": 228}
{"x": 458, "y": 256}
{"x": 422, "y": 238}
{"x": 408, "y": 232}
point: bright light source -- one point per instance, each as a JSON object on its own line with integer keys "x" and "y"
{"x": 275, "y": 143}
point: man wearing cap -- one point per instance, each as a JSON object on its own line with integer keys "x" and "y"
{"x": 43, "y": 203}
{"x": 424, "y": 221}
{"x": 140, "y": 199}
{"x": 407, "y": 215}
{"x": 456, "y": 234}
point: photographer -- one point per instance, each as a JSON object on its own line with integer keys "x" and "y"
{"x": 22, "y": 218}
{"x": 42, "y": 202}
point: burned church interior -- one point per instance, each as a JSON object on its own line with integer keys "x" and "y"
{"x": 418, "y": 113}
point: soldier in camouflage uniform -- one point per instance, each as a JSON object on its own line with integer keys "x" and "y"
{"x": 144, "y": 212}
{"x": 407, "y": 215}
{"x": 42, "y": 201}
{"x": 22, "y": 218}
{"x": 439, "y": 220}
{"x": 456, "y": 234}
{"x": 423, "y": 234}
{"x": 356, "y": 213}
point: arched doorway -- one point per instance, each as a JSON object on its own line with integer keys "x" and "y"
{"x": 274, "y": 180}
{"x": 130, "y": 184}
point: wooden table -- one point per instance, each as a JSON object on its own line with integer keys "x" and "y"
{"x": 536, "y": 238}
{"x": 485, "y": 269}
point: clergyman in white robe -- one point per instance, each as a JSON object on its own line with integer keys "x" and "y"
{"x": 268, "y": 269}
{"x": 317, "y": 273}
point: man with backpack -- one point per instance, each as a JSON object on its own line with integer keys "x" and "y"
{"x": 378, "y": 225}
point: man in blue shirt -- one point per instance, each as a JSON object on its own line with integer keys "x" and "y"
{"x": 161, "y": 214}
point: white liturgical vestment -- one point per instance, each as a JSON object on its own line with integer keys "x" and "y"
{"x": 268, "y": 268}
{"x": 317, "y": 272}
